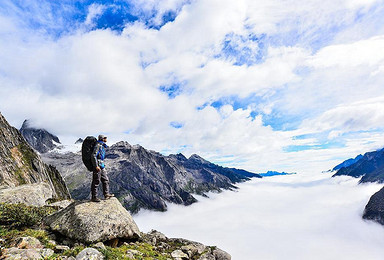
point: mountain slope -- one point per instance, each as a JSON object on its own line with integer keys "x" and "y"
{"x": 146, "y": 179}
{"x": 20, "y": 164}
{"x": 370, "y": 167}
{"x": 347, "y": 163}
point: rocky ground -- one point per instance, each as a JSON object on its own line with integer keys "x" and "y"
{"x": 87, "y": 230}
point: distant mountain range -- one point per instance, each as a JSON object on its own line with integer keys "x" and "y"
{"x": 274, "y": 173}
{"x": 141, "y": 178}
{"x": 370, "y": 167}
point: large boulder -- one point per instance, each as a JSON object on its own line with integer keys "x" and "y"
{"x": 374, "y": 210}
{"x": 29, "y": 194}
{"x": 92, "y": 222}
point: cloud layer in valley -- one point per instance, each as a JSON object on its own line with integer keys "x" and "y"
{"x": 259, "y": 85}
{"x": 306, "y": 216}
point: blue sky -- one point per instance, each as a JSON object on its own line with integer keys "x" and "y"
{"x": 261, "y": 86}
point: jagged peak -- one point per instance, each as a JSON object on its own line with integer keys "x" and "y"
{"x": 79, "y": 141}
{"x": 197, "y": 157}
{"x": 179, "y": 156}
{"x": 123, "y": 144}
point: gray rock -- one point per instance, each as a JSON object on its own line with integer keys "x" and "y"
{"x": 92, "y": 222}
{"x": 134, "y": 252}
{"x": 29, "y": 194}
{"x": 52, "y": 242}
{"x": 99, "y": 245}
{"x": 46, "y": 252}
{"x": 207, "y": 256}
{"x": 62, "y": 204}
{"x": 28, "y": 243}
{"x": 89, "y": 254}
{"x": 61, "y": 248}
{"x": 17, "y": 254}
{"x": 179, "y": 255}
{"x": 221, "y": 255}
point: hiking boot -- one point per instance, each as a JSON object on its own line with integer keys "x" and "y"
{"x": 108, "y": 196}
{"x": 95, "y": 200}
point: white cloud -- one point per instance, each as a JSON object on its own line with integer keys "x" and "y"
{"x": 365, "y": 52}
{"x": 306, "y": 216}
{"x": 359, "y": 116}
{"x": 68, "y": 83}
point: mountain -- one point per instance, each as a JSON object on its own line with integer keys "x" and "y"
{"x": 20, "y": 164}
{"x": 374, "y": 210}
{"x": 347, "y": 163}
{"x": 370, "y": 167}
{"x": 40, "y": 139}
{"x": 141, "y": 178}
{"x": 274, "y": 173}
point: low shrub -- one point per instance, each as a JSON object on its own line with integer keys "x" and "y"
{"x": 21, "y": 215}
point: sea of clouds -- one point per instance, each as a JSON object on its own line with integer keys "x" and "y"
{"x": 302, "y": 216}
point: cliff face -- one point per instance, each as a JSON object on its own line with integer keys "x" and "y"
{"x": 146, "y": 179}
{"x": 374, "y": 210}
{"x": 370, "y": 167}
{"x": 20, "y": 164}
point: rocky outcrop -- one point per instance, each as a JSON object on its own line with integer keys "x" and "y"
{"x": 91, "y": 222}
{"x": 374, "y": 210}
{"x": 20, "y": 164}
{"x": 40, "y": 139}
{"x": 146, "y": 179}
{"x": 370, "y": 168}
{"x": 30, "y": 194}
{"x": 186, "y": 249}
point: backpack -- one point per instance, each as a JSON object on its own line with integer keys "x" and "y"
{"x": 87, "y": 150}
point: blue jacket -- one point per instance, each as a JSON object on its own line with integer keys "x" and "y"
{"x": 98, "y": 154}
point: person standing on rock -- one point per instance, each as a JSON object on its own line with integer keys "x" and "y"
{"x": 100, "y": 173}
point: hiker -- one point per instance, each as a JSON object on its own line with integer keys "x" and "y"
{"x": 100, "y": 173}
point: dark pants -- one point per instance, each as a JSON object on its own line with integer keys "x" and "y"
{"x": 97, "y": 176}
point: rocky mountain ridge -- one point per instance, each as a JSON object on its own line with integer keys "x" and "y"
{"x": 370, "y": 167}
{"x": 40, "y": 139}
{"x": 347, "y": 162}
{"x": 141, "y": 178}
{"x": 20, "y": 164}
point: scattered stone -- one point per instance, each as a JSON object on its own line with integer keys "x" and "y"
{"x": 17, "y": 253}
{"x": 52, "y": 242}
{"x": 61, "y": 248}
{"x": 28, "y": 243}
{"x": 93, "y": 222}
{"x": 207, "y": 256}
{"x": 30, "y": 194}
{"x": 179, "y": 255}
{"x": 134, "y": 252}
{"x": 46, "y": 252}
{"x": 99, "y": 245}
{"x": 89, "y": 254}
{"x": 130, "y": 255}
{"x": 191, "y": 250}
